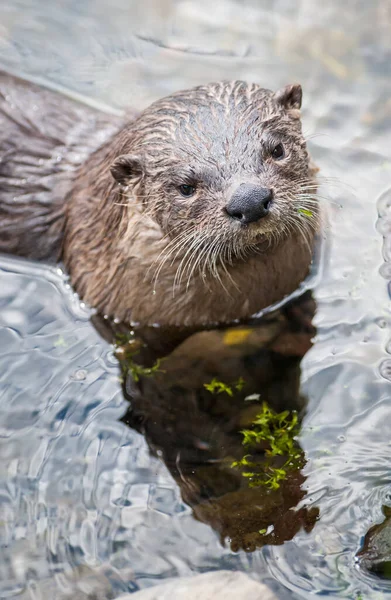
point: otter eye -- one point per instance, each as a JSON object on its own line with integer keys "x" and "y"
{"x": 278, "y": 152}
{"x": 187, "y": 190}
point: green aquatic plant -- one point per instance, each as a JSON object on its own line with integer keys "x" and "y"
{"x": 123, "y": 338}
{"x": 60, "y": 342}
{"x": 219, "y": 387}
{"x": 239, "y": 385}
{"x": 138, "y": 371}
{"x": 127, "y": 348}
{"x": 305, "y": 212}
{"x": 276, "y": 434}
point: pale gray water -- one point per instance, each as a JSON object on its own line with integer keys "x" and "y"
{"x": 80, "y": 488}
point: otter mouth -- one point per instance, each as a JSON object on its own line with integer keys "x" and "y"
{"x": 257, "y": 231}
{"x": 249, "y": 239}
{"x": 265, "y": 234}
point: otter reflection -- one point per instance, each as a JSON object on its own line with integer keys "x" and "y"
{"x": 194, "y": 404}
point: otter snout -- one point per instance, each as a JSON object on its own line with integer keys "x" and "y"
{"x": 249, "y": 203}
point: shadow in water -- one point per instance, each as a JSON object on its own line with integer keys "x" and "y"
{"x": 223, "y": 408}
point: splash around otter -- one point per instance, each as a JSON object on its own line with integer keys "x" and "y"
{"x": 202, "y": 209}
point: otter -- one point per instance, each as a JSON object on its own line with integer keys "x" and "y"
{"x": 199, "y": 210}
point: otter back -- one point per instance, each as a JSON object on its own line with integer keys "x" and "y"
{"x": 44, "y": 137}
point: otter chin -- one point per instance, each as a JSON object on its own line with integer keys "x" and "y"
{"x": 202, "y": 209}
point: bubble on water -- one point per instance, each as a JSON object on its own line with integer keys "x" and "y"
{"x": 111, "y": 358}
{"x": 382, "y": 323}
{"x": 385, "y": 270}
{"x": 385, "y": 369}
{"x": 79, "y": 375}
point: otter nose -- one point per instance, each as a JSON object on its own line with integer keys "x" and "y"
{"x": 249, "y": 203}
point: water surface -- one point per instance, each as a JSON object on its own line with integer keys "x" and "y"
{"x": 82, "y": 495}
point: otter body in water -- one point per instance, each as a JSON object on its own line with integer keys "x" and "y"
{"x": 199, "y": 210}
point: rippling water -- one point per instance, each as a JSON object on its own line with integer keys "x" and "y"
{"x": 86, "y": 498}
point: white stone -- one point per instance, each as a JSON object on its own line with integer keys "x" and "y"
{"x": 224, "y": 585}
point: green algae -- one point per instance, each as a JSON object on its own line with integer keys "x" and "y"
{"x": 219, "y": 387}
{"x": 276, "y": 433}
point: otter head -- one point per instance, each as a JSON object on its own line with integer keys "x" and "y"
{"x": 222, "y": 168}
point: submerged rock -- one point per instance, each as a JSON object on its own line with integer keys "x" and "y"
{"x": 223, "y": 410}
{"x": 375, "y": 555}
{"x": 225, "y": 585}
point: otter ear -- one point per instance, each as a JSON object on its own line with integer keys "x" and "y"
{"x": 126, "y": 167}
{"x": 290, "y": 96}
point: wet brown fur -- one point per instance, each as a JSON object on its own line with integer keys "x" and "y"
{"x": 44, "y": 137}
{"x": 137, "y": 250}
